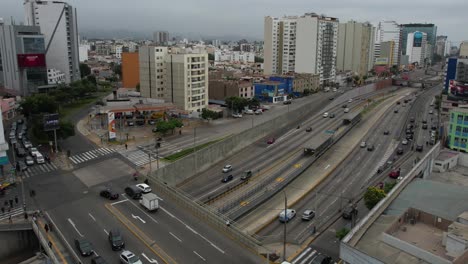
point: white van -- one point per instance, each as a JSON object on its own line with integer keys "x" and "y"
{"x": 286, "y": 216}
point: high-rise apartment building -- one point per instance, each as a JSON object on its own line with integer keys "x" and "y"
{"x": 355, "y": 47}
{"x": 416, "y": 47}
{"x": 301, "y": 44}
{"x": 180, "y": 77}
{"x": 429, "y": 29}
{"x": 463, "y": 51}
{"x": 388, "y": 31}
{"x": 23, "y": 68}
{"x": 458, "y": 129}
{"x": 441, "y": 46}
{"x": 58, "y": 23}
{"x": 161, "y": 37}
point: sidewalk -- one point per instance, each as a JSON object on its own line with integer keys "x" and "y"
{"x": 313, "y": 176}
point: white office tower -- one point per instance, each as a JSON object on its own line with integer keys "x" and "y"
{"x": 416, "y": 47}
{"x": 279, "y": 44}
{"x": 316, "y": 46}
{"x": 389, "y": 31}
{"x": 301, "y": 44}
{"x": 153, "y": 77}
{"x": 58, "y": 22}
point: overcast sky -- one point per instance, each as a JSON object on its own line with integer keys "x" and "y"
{"x": 245, "y": 17}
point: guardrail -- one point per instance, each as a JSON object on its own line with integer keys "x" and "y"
{"x": 62, "y": 239}
{"x": 44, "y": 243}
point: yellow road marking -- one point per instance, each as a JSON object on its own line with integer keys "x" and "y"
{"x": 279, "y": 179}
{"x": 298, "y": 165}
{"x": 244, "y": 203}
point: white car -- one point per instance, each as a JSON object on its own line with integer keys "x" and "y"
{"x": 144, "y": 187}
{"x": 29, "y": 160}
{"x": 325, "y": 115}
{"x": 287, "y": 215}
{"x": 258, "y": 112}
{"x": 363, "y": 144}
{"x": 39, "y": 158}
{"x": 404, "y": 142}
{"x": 227, "y": 168}
{"x": 346, "y": 110}
{"x": 249, "y": 112}
{"x": 34, "y": 152}
{"x": 334, "y": 90}
{"x": 128, "y": 257}
{"x": 350, "y": 100}
{"x": 237, "y": 115}
{"x": 431, "y": 112}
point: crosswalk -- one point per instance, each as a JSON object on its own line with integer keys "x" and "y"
{"x": 90, "y": 155}
{"x": 309, "y": 255}
{"x": 137, "y": 157}
{"x": 39, "y": 169}
{"x": 13, "y": 212}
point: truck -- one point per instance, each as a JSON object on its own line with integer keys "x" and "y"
{"x": 150, "y": 201}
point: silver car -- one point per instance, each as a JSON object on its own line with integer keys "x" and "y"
{"x": 308, "y": 215}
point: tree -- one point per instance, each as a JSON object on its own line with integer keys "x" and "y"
{"x": 84, "y": 70}
{"x": 389, "y": 186}
{"x": 67, "y": 129}
{"x": 209, "y": 114}
{"x": 236, "y": 103}
{"x": 373, "y": 196}
{"x": 253, "y": 102}
{"x": 258, "y": 59}
{"x": 92, "y": 79}
{"x": 211, "y": 56}
{"x": 38, "y": 103}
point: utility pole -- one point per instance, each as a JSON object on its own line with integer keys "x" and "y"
{"x": 194, "y": 148}
{"x": 150, "y": 169}
{"x": 285, "y": 222}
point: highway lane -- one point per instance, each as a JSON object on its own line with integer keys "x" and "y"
{"x": 331, "y": 192}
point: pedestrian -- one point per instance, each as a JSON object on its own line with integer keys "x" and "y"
{"x": 10, "y": 220}
{"x": 11, "y": 203}
{"x": 26, "y": 216}
{"x": 46, "y": 228}
{"x": 16, "y": 199}
{"x": 126, "y": 146}
{"x": 180, "y": 132}
{"x": 33, "y": 193}
{"x": 50, "y": 244}
{"x": 50, "y": 227}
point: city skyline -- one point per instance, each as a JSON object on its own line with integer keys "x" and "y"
{"x": 246, "y": 20}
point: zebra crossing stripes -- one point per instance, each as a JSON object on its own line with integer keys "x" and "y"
{"x": 89, "y": 155}
{"x": 39, "y": 169}
{"x": 137, "y": 157}
{"x": 14, "y": 212}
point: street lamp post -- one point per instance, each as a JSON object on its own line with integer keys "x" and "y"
{"x": 285, "y": 222}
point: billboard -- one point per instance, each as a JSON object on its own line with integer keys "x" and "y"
{"x": 51, "y": 122}
{"x": 31, "y": 60}
{"x": 111, "y": 125}
{"x": 381, "y": 61}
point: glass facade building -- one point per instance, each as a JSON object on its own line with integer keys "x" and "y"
{"x": 429, "y": 29}
{"x": 458, "y": 130}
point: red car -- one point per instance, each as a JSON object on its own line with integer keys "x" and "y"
{"x": 394, "y": 174}
{"x": 271, "y": 141}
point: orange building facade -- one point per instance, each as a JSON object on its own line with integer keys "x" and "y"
{"x": 130, "y": 69}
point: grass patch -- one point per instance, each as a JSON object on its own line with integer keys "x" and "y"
{"x": 188, "y": 151}
{"x": 70, "y": 109}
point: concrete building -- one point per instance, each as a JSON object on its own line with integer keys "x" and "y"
{"x": 316, "y": 46}
{"x": 388, "y": 31}
{"x": 306, "y": 81}
{"x": 179, "y": 77}
{"x": 441, "y": 46}
{"x": 279, "y": 49}
{"x": 234, "y": 56}
{"x": 23, "y": 68}
{"x": 416, "y": 48}
{"x": 458, "y": 129}
{"x": 161, "y": 37}
{"x": 55, "y": 76}
{"x": 58, "y": 23}
{"x": 463, "y": 51}
{"x": 153, "y": 73}
{"x": 83, "y": 52}
{"x": 130, "y": 69}
{"x": 355, "y": 47}
{"x": 117, "y": 51}
{"x": 429, "y": 29}
{"x": 3, "y": 145}
{"x": 219, "y": 89}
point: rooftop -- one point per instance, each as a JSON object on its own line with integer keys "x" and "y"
{"x": 446, "y": 154}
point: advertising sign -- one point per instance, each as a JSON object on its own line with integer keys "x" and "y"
{"x": 381, "y": 61}
{"x": 51, "y": 122}
{"x": 31, "y": 60}
{"x": 111, "y": 125}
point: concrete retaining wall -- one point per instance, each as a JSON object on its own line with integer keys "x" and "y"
{"x": 13, "y": 243}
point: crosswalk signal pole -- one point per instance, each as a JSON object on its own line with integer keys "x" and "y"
{"x": 55, "y": 138}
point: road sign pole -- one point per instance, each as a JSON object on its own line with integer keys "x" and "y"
{"x": 55, "y": 138}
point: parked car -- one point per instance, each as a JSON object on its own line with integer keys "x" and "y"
{"x": 227, "y": 168}
{"x": 309, "y": 129}
{"x": 227, "y": 178}
{"x": 331, "y": 98}
{"x": 424, "y": 126}
{"x": 33, "y": 151}
{"x": 287, "y": 102}
{"x": 344, "y": 106}
{"x": 249, "y": 112}
{"x": 258, "y": 112}
{"x": 409, "y": 136}
{"x": 419, "y": 148}
{"x": 20, "y": 152}
{"x": 325, "y": 115}
{"x": 404, "y": 142}
{"x": 84, "y": 247}
{"x": 332, "y": 115}
{"x": 286, "y": 215}
{"x": 398, "y": 102}
{"x": 271, "y": 141}
{"x": 109, "y": 194}
{"x": 29, "y": 160}
{"x": 151, "y": 122}
{"x": 386, "y": 132}
{"x": 40, "y": 159}
{"x": 346, "y": 110}
{"x": 394, "y": 174}
{"x": 395, "y": 111}
{"x": 98, "y": 260}
{"x": 265, "y": 107}
{"x": 115, "y": 239}
{"x": 128, "y": 257}
{"x": 350, "y": 100}
{"x": 237, "y": 115}
{"x": 308, "y": 215}
{"x": 130, "y": 123}
{"x": 27, "y": 144}
{"x": 412, "y": 119}
{"x": 431, "y": 112}
{"x": 363, "y": 144}
{"x": 399, "y": 151}
{"x": 145, "y": 188}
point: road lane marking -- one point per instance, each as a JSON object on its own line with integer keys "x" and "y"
{"x": 199, "y": 255}
{"x": 143, "y": 211}
{"x": 175, "y": 237}
{"x": 105, "y": 231}
{"x": 90, "y": 215}
{"x": 149, "y": 260}
{"x": 114, "y": 203}
{"x": 73, "y": 224}
{"x": 96, "y": 254}
{"x": 139, "y": 218}
{"x": 326, "y": 167}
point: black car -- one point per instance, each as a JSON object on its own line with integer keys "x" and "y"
{"x": 395, "y": 111}
{"x": 20, "y": 152}
{"x": 332, "y": 115}
{"x": 21, "y": 166}
{"x": 344, "y": 106}
{"x": 370, "y": 148}
{"x": 409, "y": 132}
{"x": 399, "y": 151}
{"x": 409, "y": 137}
{"x": 109, "y": 194}
{"x": 412, "y": 119}
{"x": 309, "y": 129}
{"x": 287, "y": 102}
{"x": 331, "y": 98}
{"x": 398, "y": 102}
{"x": 227, "y": 178}
{"x": 348, "y": 212}
{"x": 98, "y": 260}
{"x": 140, "y": 122}
{"x": 419, "y": 148}
{"x": 85, "y": 248}
{"x": 116, "y": 240}
{"x": 424, "y": 126}
{"x": 386, "y": 132}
